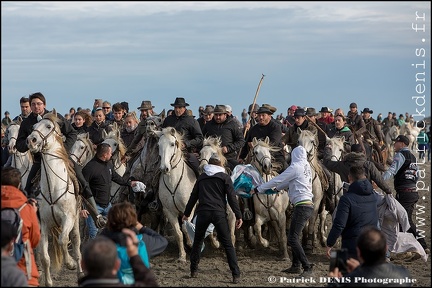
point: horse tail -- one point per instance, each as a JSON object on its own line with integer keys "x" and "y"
{"x": 57, "y": 257}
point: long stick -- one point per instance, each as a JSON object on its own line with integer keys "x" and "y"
{"x": 316, "y": 125}
{"x": 254, "y": 101}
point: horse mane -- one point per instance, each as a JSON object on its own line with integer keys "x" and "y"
{"x": 61, "y": 152}
{"x": 215, "y": 142}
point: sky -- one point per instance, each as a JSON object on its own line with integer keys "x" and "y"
{"x": 313, "y": 54}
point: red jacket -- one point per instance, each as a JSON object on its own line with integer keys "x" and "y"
{"x": 12, "y": 197}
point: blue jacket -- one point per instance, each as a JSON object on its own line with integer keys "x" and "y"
{"x": 357, "y": 208}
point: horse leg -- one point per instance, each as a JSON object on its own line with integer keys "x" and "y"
{"x": 63, "y": 240}
{"x": 172, "y": 219}
{"x": 323, "y": 228}
{"x": 259, "y": 221}
{"x": 231, "y": 223}
{"x": 280, "y": 229}
{"x": 76, "y": 246}
{"x": 44, "y": 256}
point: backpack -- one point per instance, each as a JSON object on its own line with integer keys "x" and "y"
{"x": 20, "y": 248}
{"x": 12, "y": 215}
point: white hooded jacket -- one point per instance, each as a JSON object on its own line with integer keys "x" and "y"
{"x": 297, "y": 178}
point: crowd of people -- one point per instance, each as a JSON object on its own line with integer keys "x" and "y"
{"x": 124, "y": 236}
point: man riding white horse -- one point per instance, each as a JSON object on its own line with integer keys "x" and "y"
{"x": 38, "y": 104}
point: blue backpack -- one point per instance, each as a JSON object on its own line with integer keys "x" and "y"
{"x": 125, "y": 273}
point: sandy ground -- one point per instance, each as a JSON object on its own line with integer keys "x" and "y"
{"x": 260, "y": 266}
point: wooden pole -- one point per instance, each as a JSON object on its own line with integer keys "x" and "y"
{"x": 254, "y": 101}
{"x": 316, "y": 125}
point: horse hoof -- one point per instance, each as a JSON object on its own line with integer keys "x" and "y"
{"x": 265, "y": 243}
{"x": 71, "y": 266}
{"x": 181, "y": 260}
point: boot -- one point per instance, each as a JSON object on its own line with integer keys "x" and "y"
{"x": 98, "y": 219}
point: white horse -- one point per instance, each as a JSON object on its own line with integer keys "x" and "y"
{"x": 59, "y": 209}
{"x": 390, "y": 136}
{"x": 176, "y": 183}
{"x": 22, "y": 161}
{"x": 269, "y": 208}
{"x": 113, "y": 138}
{"x": 212, "y": 145}
{"x": 82, "y": 150}
{"x": 411, "y": 131}
{"x": 309, "y": 141}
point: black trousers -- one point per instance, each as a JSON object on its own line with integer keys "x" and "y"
{"x": 408, "y": 201}
{"x": 219, "y": 220}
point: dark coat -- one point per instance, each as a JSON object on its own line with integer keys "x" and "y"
{"x": 357, "y": 208}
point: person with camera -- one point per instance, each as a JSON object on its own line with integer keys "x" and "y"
{"x": 101, "y": 263}
{"x": 150, "y": 243}
{"x": 372, "y": 269}
{"x": 357, "y": 208}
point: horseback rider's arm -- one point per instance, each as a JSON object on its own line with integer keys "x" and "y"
{"x": 376, "y": 176}
{"x": 238, "y": 140}
{"x": 23, "y": 133}
{"x": 155, "y": 243}
{"x": 69, "y": 132}
{"x": 196, "y": 136}
{"x": 139, "y": 134}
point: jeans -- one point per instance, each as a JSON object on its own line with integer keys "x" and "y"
{"x": 299, "y": 218}
{"x": 408, "y": 201}
{"x": 93, "y": 230}
{"x": 219, "y": 220}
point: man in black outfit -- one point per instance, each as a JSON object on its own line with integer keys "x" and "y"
{"x": 213, "y": 188}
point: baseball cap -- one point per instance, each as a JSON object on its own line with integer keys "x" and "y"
{"x": 403, "y": 139}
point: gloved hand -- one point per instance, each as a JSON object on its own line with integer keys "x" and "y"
{"x": 101, "y": 221}
{"x": 139, "y": 187}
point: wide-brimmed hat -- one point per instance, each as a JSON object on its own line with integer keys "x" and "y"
{"x": 299, "y": 112}
{"x": 179, "y": 102}
{"x": 220, "y": 109}
{"x": 367, "y": 110}
{"x": 208, "y": 110}
{"x": 325, "y": 109}
{"x": 264, "y": 109}
{"x": 403, "y": 139}
{"x": 311, "y": 112}
{"x": 255, "y": 108}
{"x": 270, "y": 107}
{"x": 146, "y": 105}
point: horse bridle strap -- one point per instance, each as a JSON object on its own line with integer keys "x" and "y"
{"x": 176, "y": 187}
{"x": 82, "y": 155}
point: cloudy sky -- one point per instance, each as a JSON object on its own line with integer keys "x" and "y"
{"x": 312, "y": 54}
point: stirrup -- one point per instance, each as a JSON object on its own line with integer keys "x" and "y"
{"x": 154, "y": 205}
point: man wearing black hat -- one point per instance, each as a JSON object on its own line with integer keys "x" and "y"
{"x": 292, "y": 136}
{"x": 404, "y": 170}
{"x": 189, "y": 127}
{"x": 354, "y": 120}
{"x": 373, "y": 133}
{"x": 326, "y": 115}
{"x": 227, "y": 129}
{"x": 266, "y": 128}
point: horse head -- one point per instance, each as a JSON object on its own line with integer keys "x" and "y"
{"x": 262, "y": 158}
{"x": 154, "y": 123}
{"x": 308, "y": 140}
{"x": 82, "y": 150}
{"x": 170, "y": 143}
{"x": 211, "y": 144}
{"x": 336, "y": 145}
{"x": 46, "y": 133}
{"x": 11, "y": 135}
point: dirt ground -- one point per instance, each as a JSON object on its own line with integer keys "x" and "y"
{"x": 260, "y": 266}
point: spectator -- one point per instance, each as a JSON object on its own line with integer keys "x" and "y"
{"x": 11, "y": 275}
{"x": 12, "y": 197}
{"x": 4, "y": 148}
{"x": 129, "y": 129}
{"x": 82, "y": 122}
{"x": 357, "y": 208}
{"x": 100, "y": 124}
{"x": 244, "y": 116}
{"x": 97, "y": 104}
{"x": 6, "y": 120}
{"x": 118, "y": 115}
{"x": 373, "y": 271}
{"x": 123, "y": 215}
{"x": 213, "y": 189}
{"x": 404, "y": 169}
{"x": 106, "y": 106}
{"x": 289, "y": 119}
{"x": 101, "y": 263}
{"x": 326, "y": 116}
{"x": 207, "y": 116}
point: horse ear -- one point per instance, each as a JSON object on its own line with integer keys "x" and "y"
{"x": 267, "y": 140}
{"x": 158, "y": 133}
{"x": 86, "y": 135}
{"x": 54, "y": 112}
{"x": 162, "y": 114}
{"x": 299, "y": 130}
{"x": 172, "y": 131}
{"x": 254, "y": 141}
{"x": 104, "y": 134}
